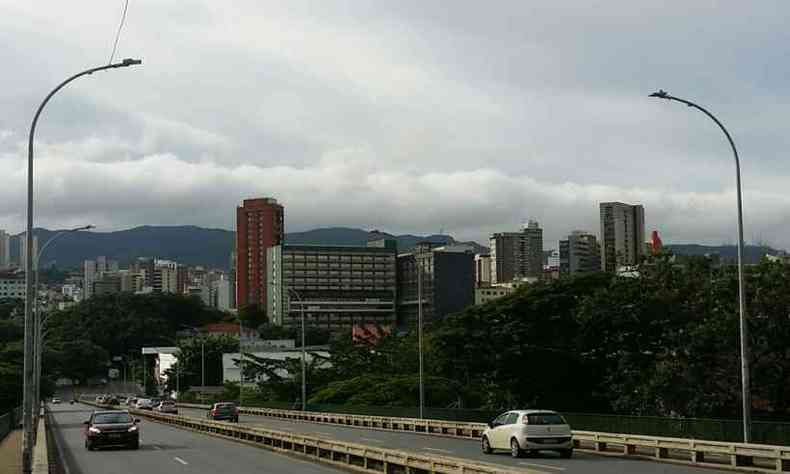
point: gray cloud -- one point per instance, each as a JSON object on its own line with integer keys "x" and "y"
{"x": 404, "y": 116}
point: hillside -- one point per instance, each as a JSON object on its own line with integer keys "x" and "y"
{"x": 191, "y": 245}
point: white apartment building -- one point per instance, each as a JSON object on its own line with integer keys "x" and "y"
{"x": 482, "y": 270}
{"x": 5, "y": 250}
{"x": 12, "y": 285}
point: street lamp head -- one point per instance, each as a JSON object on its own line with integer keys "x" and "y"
{"x": 661, "y": 94}
{"x": 131, "y": 62}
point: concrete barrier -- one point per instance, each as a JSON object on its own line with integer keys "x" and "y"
{"x": 40, "y": 452}
{"x": 352, "y": 456}
{"x": 736, "y": 456}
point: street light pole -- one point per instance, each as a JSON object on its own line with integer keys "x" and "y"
{"x": 30, "y": 323}
{"x": 419, "y": 332}
{"x": 304, "y": 362}
{"x": 744, "y": 329}
{"x": 39, "y": 342}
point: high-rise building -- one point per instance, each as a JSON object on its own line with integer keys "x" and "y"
{"x": 338, "y": 286}
{"x": 579, "y": 253}
{"x": 5, "y": 250}
{"x": 517, "y": 255}
{"x": 90, "y": 274}
{"x": 447, "y": 281}
{"x": 622, "y": 235}
{"x": 482, "y": 270}
{"x": 23, "y": 249}
{"x": 259, "y": 226}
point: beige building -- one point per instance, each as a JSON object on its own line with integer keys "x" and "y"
{"x": 622, "y": 235}
{"x": 517, "y": 255}
{"x": 579, "y": 253}
{"x": 489, "y": 293}
{"x": 482, "y": 270}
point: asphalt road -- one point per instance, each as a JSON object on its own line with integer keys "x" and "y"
{"x": 170, "y": 450}
{"x": 581, "y": 463}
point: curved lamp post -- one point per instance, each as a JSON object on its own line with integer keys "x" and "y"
{"x": 30, "y": 322}
{"x": 746, "y": 395}
{"x": 39, "y": 344}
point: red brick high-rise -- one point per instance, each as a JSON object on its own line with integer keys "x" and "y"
{"x": 259, "y": 225}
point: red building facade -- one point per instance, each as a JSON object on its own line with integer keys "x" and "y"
{"x": 259, "y": 225}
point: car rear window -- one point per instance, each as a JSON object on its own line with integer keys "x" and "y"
{"x": 545, "y": 419}
{"x": 110, "y": 418}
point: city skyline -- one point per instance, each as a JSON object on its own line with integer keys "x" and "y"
{"x": 476, "y": 117}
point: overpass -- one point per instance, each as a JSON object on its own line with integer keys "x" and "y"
{"x": 167, "y": 448}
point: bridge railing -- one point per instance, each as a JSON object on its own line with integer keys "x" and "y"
{"x": 741, "y": 456}
{"x": 9, "y": 421}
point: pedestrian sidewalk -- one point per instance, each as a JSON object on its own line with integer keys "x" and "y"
{"x": 11, "y": 453}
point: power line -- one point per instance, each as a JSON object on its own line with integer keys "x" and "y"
{"x": 120, "y": 27}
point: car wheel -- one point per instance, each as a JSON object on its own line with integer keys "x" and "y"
{"x": 566, "y": 453}
{"x": 515, "y": 449}
{"x": 486, "y": 446}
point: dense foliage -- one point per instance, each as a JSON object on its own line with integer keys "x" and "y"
{"x": 663, "y": 342}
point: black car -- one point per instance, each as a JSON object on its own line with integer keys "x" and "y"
{"x": 112, "y": 428}
{"x": 224, "y": 411}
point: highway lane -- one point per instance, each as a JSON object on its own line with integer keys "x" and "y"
{"x": 582, "y": 463}
{"x": 170, "y": 450}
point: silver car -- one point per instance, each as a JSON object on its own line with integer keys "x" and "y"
{"x": 527, "y": 432}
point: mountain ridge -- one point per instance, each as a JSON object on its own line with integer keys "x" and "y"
{"x": 212, "y": 247}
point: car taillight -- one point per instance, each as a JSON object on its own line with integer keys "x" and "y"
{"x": 237, "y": 410}
{"x": 214, "y": 412}
{"x": 525, "y": 419}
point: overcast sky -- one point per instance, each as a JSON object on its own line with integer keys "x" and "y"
{"x": 405, "y": 116}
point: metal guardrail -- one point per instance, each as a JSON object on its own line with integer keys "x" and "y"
{"x": 352, "y": 456}
{"x": 719, "y": 454}
{"x": 9, "y": 422}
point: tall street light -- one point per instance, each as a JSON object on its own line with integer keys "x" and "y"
{"x": 30, "y": 322}
{"x": 39, "y": 343}
{"x": 746, "y": 395}
{"x": 418, "y": 261}
{"x": 304, "y": 354}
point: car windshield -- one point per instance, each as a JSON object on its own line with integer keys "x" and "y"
{"x": 545, "y": 419}
{"x": 110, "y": 418}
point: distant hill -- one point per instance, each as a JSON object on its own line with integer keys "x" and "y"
{"x": 193, "y": 245}
{"x": 751, "y": 253}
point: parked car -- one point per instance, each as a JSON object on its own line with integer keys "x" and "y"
{"x": 223, "y": 411}
{"x": 144, "y": 404}
{"x": 167, "y": 406}
{"x": 111, "y": 428}
{"x": 132, "y": 402}
{"x": 527, "y": 432}
{"x": 111, "y": 400}
{"x": 55, "y": 400}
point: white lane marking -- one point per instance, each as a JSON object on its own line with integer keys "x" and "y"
{"x": 372, "y": 439}
{"x": 542, "y": 465}
{"x": 180, "y": 460}
{"x": 438, "y": 450}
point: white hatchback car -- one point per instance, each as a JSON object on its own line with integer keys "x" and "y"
{"x": 527, "y": 432}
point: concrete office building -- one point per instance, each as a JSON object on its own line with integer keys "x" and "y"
{"x": 5, "y": 250}
{"x": 259, "y": 226}
{"x": 12, "y": 285}
{"x": 516, "y": 255}
{"x": 489, "y": 293}
{"x": 338, "y": 286}
{"x": 448, "y": 283}
{"x": 95, "y": 270}
{"x": 579, "y": 253}
{"x": 622, "y": 235}
{"x": 482, "y": 270}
